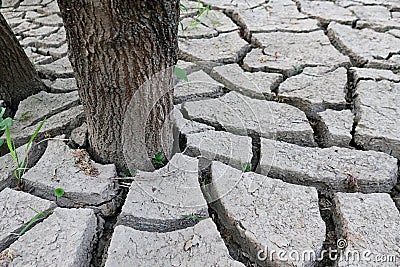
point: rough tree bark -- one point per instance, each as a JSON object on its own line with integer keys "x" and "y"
{"x": 19, "y": 78}
{"x": 122, "y": 53}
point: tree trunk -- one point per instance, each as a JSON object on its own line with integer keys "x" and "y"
{"x": 17, "y": 74}
{"x": 122, "y": 53}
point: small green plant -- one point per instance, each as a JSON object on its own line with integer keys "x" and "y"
{"x": 201, "y": 10}
{"x": 158, "y": 158}
{"x": 180, "y": 74}
{"x": 246, "y": 167}
{"x": 183, "y": 8}
{"x": 128, "y": 173}
{"x": 21, "y": 164}
{"x": 193, "y": 217}
{"x": 298, "y": 69}
{"x": 205, "y": 191}
{"x": 4, "y": 123}
{"x": 196, "y": 20}
{"x": 38, "y": 216}
{"x": 59, "y": 192}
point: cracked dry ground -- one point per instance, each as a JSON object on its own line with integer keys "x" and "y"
{"x": 308, "y": 92}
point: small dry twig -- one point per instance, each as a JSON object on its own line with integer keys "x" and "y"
{"x": 7, "y": 256}
{"x": 84, "y": 163}
{"x": 352, "y": 182}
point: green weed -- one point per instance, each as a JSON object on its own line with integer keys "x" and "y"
{"x": 158, "y": 158}
{"x": 38, "y": 216}
{"x": 180, "y": 74}
{"x": 196, "y": 20}
{"x": 21, "y": 164}
{"x": 128, "y": 173}
{"x": 193, "y": 217}
{"x": 205, "y": 191}
{"x": 59, "y": 192}
{"x": 202, "y": 10}
{"x": 4, "y": 123}
{"x": 246, "y": 167}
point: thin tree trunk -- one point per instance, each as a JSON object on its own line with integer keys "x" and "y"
{"x": 18, "y": 77}
{"x": 122, "y": 53}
